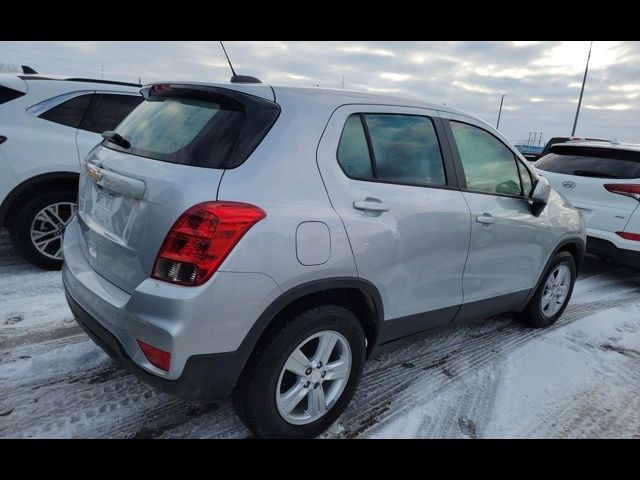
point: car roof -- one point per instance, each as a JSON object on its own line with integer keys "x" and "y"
{"x": 334, "y": 97}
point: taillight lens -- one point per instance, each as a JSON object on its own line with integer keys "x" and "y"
{"x": 627, "y": 189}
{"x": 629, "y": 236}
{"x": 201, "y": 239}
{"x": 158, "y": 358}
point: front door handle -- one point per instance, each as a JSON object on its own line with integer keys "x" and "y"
{"x": 370, "y": 206}
{"x": 485, "y": 218}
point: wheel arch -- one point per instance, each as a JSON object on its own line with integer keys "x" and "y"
{"x": 359, "y": 295}
{"x": 576, "y": 246}
{"x": 16, "y": 198}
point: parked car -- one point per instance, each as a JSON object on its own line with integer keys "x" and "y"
{"x": 602, "y": 180}
{"x": 530, "y": 152}
{"x": 261, "y": 242}
{"x": 534, "y": 154}
{"x": 556, "y": 140}
{"x": 47, "y": 125}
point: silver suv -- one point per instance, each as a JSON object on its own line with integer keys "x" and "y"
{"x": 260, "y": 242}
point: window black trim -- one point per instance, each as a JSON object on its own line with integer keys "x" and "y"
{"x": 450, "y": 183}
{"x": 460, "y": 169}
{"x": 367, "y": 136}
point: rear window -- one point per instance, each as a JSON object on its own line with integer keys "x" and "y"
{"x": 597, "y": 163}
{"x": 7, "y": 94}
{"x": 197, "y": 126}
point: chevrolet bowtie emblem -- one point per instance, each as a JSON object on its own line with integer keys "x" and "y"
{"x": 93, "y": 173}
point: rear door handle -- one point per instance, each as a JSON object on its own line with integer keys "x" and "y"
{"x": 485, "y": 218}
{"x": 370, "y": 206}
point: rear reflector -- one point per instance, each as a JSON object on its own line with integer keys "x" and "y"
{"x": 158, "y": 358}
{"x": 629, "y": 236}
{"x": 627, "y": 189}
{"x": 201, "y": 239}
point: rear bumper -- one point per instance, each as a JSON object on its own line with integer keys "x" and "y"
{"x": 204, "y": 328}
{"x": 606, "y": 249}
{"x": 204, "y": 377}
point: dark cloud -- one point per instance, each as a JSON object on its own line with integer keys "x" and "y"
{"x": 541, "y": 79}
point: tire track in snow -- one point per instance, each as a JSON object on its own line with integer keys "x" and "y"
{"x": 394, "y": 397}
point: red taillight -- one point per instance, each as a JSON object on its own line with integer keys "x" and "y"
{"x": 629, "y": 236}
{"x": 624, "y": 189}
{"x": 201, "y": 239}
{"x": 156, "y": 357}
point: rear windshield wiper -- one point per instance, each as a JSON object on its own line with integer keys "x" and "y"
{"x": 116, "y": 138}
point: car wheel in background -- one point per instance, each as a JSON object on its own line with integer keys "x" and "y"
{"x": 39, "y": 227}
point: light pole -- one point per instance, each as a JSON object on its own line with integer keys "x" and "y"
{"x": 584, "y": 79}
{"x": 500, "y": 111}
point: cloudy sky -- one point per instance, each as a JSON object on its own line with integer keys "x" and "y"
{"x": 541, "y": 80}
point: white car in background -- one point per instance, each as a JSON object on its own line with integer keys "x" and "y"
{"x": 47, "y": 126}
{"x": 602, "y": 180}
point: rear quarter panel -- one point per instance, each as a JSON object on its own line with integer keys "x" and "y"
{"x": 282, "y": 178}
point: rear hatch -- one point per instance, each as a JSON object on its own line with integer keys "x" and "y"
{"x": 166, "y": 156}
{"x": 596, "y": 180}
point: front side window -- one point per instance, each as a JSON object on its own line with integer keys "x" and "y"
{"x": 489, "y": 166}
{"x": 401, "y": 149}
{"x": 525, "y": 178}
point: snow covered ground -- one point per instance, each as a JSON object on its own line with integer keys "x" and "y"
{"x": 491, "y": 379}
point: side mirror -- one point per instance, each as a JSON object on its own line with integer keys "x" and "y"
{"x": 540, "y": 195}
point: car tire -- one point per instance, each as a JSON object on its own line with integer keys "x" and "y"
{"x": 61, "y": 202}
{"x": 265, "y": 388}
{"x": 555, "y": 297}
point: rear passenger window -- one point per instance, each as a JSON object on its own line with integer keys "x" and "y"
{"x": 403, "y": 149}
{"x": 353, "y": 153}
{"x": 68, "y": 113}
{"x": 108, "y": 110}
{"x": 489, "y": 166}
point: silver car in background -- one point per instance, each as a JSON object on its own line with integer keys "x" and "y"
{"x": 260, "y": 242}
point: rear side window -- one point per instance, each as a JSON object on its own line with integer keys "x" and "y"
{"x": 108, "y": 110}
{"x": 7, "y": 94}
{"x": 590, "y": 166}
{"x": 401, "y": 149}
{"x": 488, "y": 164}
{"x": 353, "y": 153}
{"x": 70, "y": 112}
{"x": 198, "y": 126}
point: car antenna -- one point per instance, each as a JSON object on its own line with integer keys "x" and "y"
{"x": 238, "y": 78}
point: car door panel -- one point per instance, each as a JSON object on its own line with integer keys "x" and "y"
{"x": 410, "y": 241}
{"x": 508, "y": 241}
